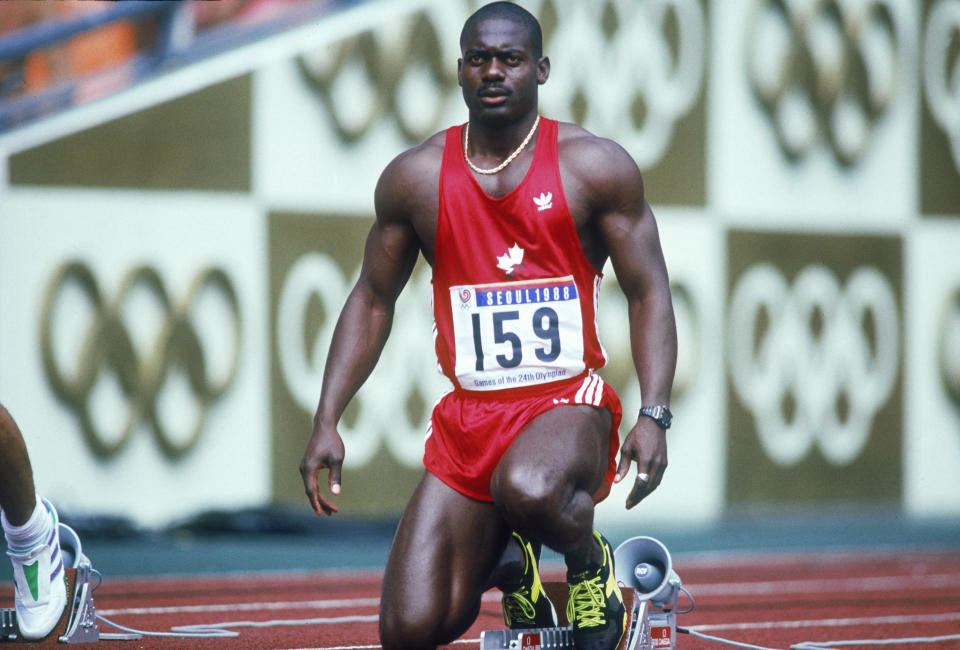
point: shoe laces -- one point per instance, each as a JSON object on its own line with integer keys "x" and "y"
{"x": 517, "y": 607}
{"x": 586, "y": 603}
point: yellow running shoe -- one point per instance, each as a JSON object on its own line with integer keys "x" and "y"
{"x": 596, "y": 605}
{"x": 527, "y": 607}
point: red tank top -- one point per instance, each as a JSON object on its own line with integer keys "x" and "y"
{"x": 514, "y": 297}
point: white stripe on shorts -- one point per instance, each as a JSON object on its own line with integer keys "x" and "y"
{"x": 591, "y": 391}
{"x": 578, "y": 398}
{"x": 598, "y": 391}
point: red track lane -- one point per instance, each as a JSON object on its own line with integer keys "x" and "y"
{"x": 767, "y": 600}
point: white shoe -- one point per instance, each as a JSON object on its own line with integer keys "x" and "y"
{"x": 41, "y": 586}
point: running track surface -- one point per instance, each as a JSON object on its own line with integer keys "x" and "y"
{"x": 763, "y": 599}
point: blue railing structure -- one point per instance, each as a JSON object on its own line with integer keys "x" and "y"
{"x": 19, "y": 43}
{"x": 15, "y": 46}
{"x": 175, "y": 45}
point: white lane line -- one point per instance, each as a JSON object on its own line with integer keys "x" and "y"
{"x": 261, "y": 606}
{"x": 246, "y": 607}
{"x": 833, "y": 585}
{"x": 832, "y": 622}
{"x": 370, "y": 647}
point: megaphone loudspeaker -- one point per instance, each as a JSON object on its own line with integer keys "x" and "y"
{"x": 644, "y": 564}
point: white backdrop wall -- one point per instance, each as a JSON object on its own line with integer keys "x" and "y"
{"x": 810, "y": 233}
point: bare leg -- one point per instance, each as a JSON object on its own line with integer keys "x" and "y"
{"x": 17, "y": 491}
{"x": 444, "y": 551}
{"x": 544, "y": 484}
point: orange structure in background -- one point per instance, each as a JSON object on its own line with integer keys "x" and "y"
{"x": 109, "y": 45}
{"x": 84, "y": 54}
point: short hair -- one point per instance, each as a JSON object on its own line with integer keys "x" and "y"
{"x": 508, "y": 11}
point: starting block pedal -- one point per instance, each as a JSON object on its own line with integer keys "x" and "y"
{"x": 81, "y": 625}
{"x": 81, "y": 617}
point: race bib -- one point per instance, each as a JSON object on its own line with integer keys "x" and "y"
{"x": 514, "y": 334}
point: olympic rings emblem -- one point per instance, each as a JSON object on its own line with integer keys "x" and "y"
{"x": 828, "y": 351}
{"x": 386, "y": 71}
{"x": 943, "y": 97}
{"x": 107, "y": 346}
{"x": 949, "y": 355}
{"x": 835, "y": 76}
{"x": 628, "y": 71}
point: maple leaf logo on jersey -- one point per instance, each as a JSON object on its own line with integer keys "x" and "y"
{"x": 511, "y": 261}
{"x": 544, "y": 201}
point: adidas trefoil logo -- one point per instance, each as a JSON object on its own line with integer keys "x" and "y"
{"x": 511, "y": 261}
{"x": 544, "y": 201}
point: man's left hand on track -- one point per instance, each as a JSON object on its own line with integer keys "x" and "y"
{"x": 324, "y": 451}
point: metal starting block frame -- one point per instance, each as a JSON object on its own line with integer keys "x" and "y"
{"x": 661, "y": 629}
{"x": 554, "y": 638}
{"x": 8, "y": 624}
{"x": 646, "y": 629}
{"x": 81, "y": 624}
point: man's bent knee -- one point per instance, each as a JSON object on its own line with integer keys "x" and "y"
{"x": 529, "y": 492}
{"x": 555, "y": 510}
{"x": 402, "y": 632}
{"x": 408, "y": 627}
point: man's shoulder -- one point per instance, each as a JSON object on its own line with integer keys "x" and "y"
{"x": 583, "y": 151}
{"x": 423, "y": 158}
{"x": 573, "y": 138}
{"x": 408, "y": 184}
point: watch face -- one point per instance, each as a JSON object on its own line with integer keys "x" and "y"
{"x": 660, "y": 414}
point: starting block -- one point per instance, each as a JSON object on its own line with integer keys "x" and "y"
{"x": 78, "y": 623}
{"x": 646, "y": 630}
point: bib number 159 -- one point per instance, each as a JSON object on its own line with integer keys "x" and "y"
{"x": 507, "y": 326}
{"x": 517, "y": 334}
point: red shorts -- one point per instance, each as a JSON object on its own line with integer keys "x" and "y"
{"x": 469, "y": 433}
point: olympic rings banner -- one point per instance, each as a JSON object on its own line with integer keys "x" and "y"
{"x": 129, "y": 353}
{"x": 171, "y": 269}
{"x": 814, "y": 365}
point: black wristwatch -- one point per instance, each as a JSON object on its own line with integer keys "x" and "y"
{"x": 660, "y": 414}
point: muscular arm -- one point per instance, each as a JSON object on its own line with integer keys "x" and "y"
{"x": 366, "y": 318}
{"x": 627, "y": 232}
{"x": 361, "y": 331}
{"x": 634, "y": 245}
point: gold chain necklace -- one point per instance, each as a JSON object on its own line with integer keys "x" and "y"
{"x": 500, "y": 167}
